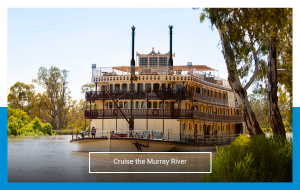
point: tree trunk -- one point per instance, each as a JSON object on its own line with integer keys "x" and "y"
{"x": 234, "y": 81}
{"x": 274, "y": 113}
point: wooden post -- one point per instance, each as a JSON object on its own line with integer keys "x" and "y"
{"x": 152, "y": 134}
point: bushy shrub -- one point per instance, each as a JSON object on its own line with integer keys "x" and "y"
{"x": 39, "y": 133}
{"x": 254, "y": 159}
{"x": 47, "y": 129}
{"x": 14, "y": 124}
{"x": 37, "y": 124}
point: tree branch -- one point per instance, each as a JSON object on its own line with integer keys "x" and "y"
{"x": 255, "y": 71}
{"x": 284, "y": 71}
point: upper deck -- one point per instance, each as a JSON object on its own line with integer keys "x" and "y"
{"x": 197, "y": 73}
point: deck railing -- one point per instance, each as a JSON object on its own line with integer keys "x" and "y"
{"x": 217, "y": 117}
{"x": 139, "y": 94}
{"x": 209, "y": 99}
{"x": 161, "y": 114}
{"x": 138, "y": 113}
{"x": 155, "y": 94}
{"x": 207, "y": 76}
{"x": 159, "y": 135}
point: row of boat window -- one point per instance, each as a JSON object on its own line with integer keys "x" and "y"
{"x": 168, "y": 105}
{"x": 189, "y": 127}
{"x": 156, "y": 86}
{"x": 138, "y": 105}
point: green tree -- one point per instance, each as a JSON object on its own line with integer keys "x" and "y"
{"x": 20, "y": 96}
{"x": 88, "y": 87}
{"x": 41, "y": 107}
{"x": 246, "y": 39}
{"x": 54, "y": 81}
{"x": 244, "y": 52}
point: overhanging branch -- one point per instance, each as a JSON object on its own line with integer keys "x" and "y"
{"x": 284, "y": 71}
{"x": 255, "y": 71}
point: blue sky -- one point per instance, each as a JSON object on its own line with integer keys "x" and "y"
{"x": 75, "y": 38}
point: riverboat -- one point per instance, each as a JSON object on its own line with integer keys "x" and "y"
{"x": 155, "y": 106}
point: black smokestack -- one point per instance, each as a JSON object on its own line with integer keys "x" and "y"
{"x": 132, "y": 64}
{"x": 171, "y": 58}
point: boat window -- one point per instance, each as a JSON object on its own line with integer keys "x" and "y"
{"x": 133, "y": 86}
{"x": 117, "y": 86}
{"x": 190, "y": 126}
{"x": 124, "y": 86}
{"x": 121, "y": 104}
{"x": 126, "y": 105}
{"x": 167, "y": 105}
{"x": 144, "y": 62}
{"x": 153, "y": 61}
{"x": 155, "y": 86}
{"x": 143, "y": 104}
{"x": 178, "y": 86}
{"x": 162, "y": 61}
{"x": 149, "y": 104}
{"x": 105, "y": 105}
{"x": 115, "y": 106}
{"x": 155, "y": 104}
{"x": 102, "y": 89}
{"x": 110, "y": 105}
{"x": 148, "y": 86}
{"x": 137, "y": 104}
{"x": 161, "y": 106}
{"x": 111, "y": 87}
{"x": 140, "y": 86}
{"x": 132, "y": 105}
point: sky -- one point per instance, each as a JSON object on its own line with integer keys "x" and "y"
{"x": 74, "y": 38}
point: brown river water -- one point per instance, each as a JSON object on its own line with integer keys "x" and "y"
{"x": 55, "y": 159}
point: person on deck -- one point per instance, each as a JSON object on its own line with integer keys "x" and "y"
{"x": 93, "y": 132}
{"x": 183, "y": 91}
{"x": 160, "y": 90}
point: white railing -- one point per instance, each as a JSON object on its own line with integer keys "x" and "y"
{"x": 165, "y": 70}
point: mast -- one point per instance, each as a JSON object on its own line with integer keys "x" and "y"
{"x": 132, "y": 71}
{"x": 171, "y": 58}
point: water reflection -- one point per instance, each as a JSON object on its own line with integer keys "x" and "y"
{"x": 55, "y": 159}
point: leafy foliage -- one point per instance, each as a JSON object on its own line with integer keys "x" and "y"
{"x": 54, "y": 81}
{"x": 254, "y": 159}
{"x": 19, "y": 124}
{"x": 41, "y": 107}
{"x": 249, "y": 32}
{"x": 20, "y": 96}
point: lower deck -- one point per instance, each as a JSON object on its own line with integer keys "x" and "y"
{"x": 180, "y": 130}
{"x": 97, "y": 144}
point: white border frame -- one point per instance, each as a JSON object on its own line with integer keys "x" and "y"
{"x": 149, "y": 153}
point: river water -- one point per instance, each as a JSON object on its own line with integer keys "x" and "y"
{"x": 55, "y": 159}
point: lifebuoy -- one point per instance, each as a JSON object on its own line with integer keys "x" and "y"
{"x": 155, "y": 112}
{"x": 115, "y": 112}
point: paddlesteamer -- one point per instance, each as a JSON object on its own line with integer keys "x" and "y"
{"x": 156, "y": 106}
